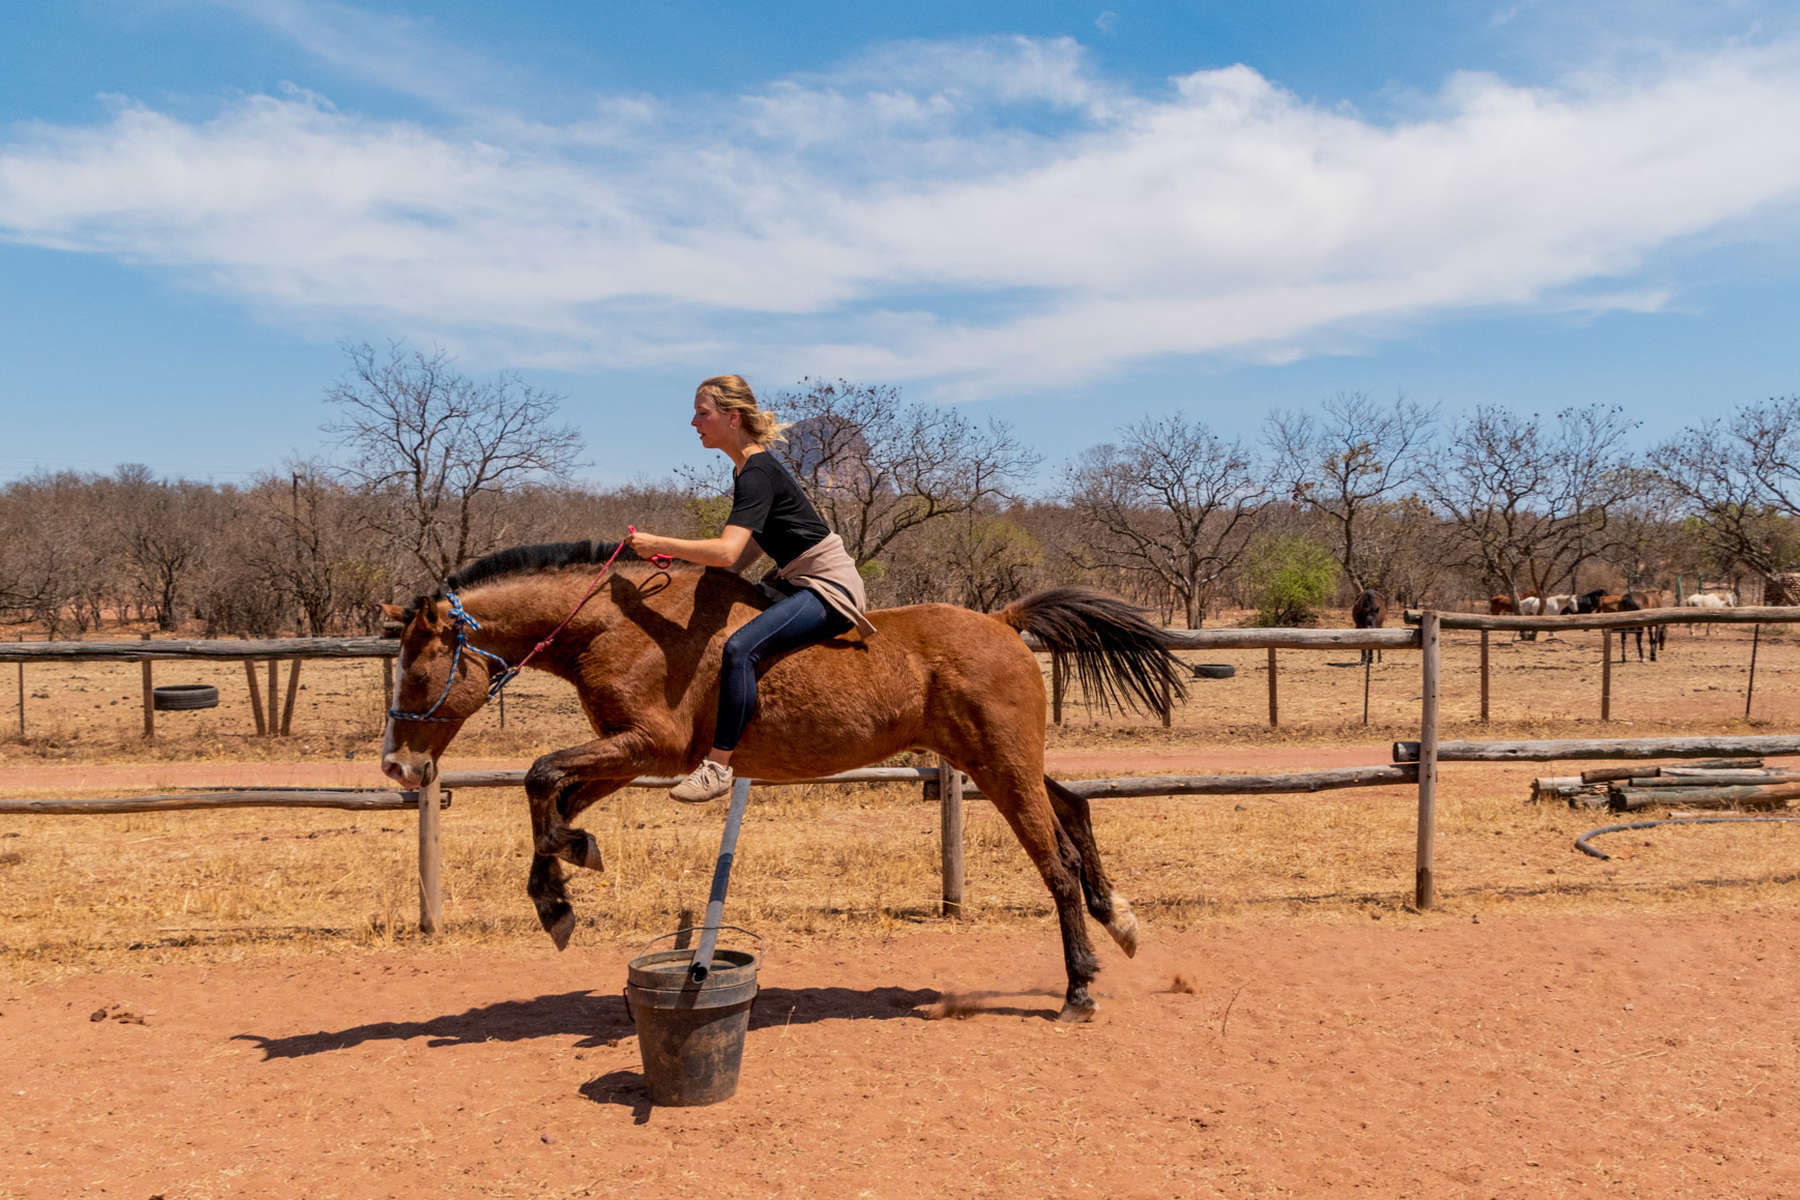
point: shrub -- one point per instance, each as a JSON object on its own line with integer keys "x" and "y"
{"x": 1292, "y": 577}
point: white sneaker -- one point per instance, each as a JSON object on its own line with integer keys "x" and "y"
{"x": 708, "y": 781}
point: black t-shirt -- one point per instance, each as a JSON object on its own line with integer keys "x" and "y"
{"x": 768, "y": 502}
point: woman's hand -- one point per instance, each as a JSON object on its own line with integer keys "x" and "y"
{"x": 648, "y": 546}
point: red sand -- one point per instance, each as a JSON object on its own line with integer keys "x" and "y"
{"x": 1431, "y": 1056}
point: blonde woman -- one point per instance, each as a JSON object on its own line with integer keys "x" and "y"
{"x": 819, "y": 593}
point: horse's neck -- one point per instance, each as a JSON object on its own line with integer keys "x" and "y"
{"x": 516, "y": 615}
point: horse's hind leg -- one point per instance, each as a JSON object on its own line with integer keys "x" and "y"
{"x": 1104, "y": 904}
{"x": 1027, "y": 810}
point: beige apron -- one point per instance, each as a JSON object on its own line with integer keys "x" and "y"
{"x": 829, "y": 572}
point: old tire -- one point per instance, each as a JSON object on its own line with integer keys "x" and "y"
{"x": 1214, "y": 670}
{"x": 179, "y": 697}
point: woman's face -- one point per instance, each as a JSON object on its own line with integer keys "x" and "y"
{"x": 717, "y": 430}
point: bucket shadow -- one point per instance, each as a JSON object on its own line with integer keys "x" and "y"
{"x": 594, "y": 1018}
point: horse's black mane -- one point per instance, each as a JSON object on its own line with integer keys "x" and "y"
{"x": 516, "y": 560}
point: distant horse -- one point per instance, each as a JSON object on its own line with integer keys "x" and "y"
{"x": 1369, "y": 612}
{"x": 1602, "y": 601}
{"x": 1558, "y": 604}
{"x": 1501, "y": 605}
{"x": 1710, "y": 600}
{"x": 644, "y": 655}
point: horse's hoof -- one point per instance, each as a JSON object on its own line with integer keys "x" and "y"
{"x": 1076, "y": 1014}
{"x": 590, "y": 853}
{"x": 562, "y": 929}
{"x": 1124, "y": 926}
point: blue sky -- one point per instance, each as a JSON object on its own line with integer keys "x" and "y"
{"x": 1061, "y": 216}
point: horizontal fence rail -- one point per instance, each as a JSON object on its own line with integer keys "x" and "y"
{"x": 1093, "y": 789}
{"x": 1281, "y": 639}
{"x": 451, "y": 781}
{"x": 1616, "y": 620}
{"x": 221, "y": 648}
{"x": 344, "y": 798}
{"x": 377, "y": 647}
{"x": 1551, "y": 750}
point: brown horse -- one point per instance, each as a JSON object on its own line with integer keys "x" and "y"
{"x": 1369, "y": 612}
{"x": 644, "y": 655}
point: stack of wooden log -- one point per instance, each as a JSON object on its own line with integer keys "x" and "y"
{"x": 1734, "y": 783}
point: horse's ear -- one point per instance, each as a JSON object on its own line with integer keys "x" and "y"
{"x": 434, "y": 612}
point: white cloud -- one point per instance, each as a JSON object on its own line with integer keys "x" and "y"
{"x": 968, "y": 215}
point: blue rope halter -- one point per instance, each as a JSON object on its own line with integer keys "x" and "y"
{"x": 461, "y": 622}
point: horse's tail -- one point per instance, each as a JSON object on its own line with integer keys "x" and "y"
{"x": 1119, "y": 657}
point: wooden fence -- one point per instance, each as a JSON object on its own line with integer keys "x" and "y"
{"x": 1607, "y": 623}
{"x": 1414, "y": 762}
{"x": 279, "y": 719}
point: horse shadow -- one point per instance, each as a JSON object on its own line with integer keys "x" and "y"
{"x": 598, "y": 1019}
{"x": 601, "y": 1019}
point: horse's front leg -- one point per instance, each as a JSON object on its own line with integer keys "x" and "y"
{"x": 552, "y": 839}
{"x": 558, "y": 786}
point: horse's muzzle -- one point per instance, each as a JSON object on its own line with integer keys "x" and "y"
{"x": 407, "y": 772}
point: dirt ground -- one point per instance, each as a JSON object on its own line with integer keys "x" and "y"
{"x": 1510, "y": 1043}
{"x": 1448, "y": 1055}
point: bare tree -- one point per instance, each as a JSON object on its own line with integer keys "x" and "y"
{"x": 1348, "y": 462}
{"x": 980, "y": 559}
{"x": 1740, "y": 480}
{"x": 307, "y": 536}
{"x": 438, "y": 447}
{"x": 877, "y": 468}
{"x": 163, "y": 530}
{"x": 1170, "y": 502}
{"x": 52, "y": 558}
{"x": 1530, "y": 500}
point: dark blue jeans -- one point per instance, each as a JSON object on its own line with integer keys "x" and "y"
{"x": 795, "y": 621}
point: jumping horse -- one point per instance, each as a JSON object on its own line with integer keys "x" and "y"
{"x": 643, "y": 648}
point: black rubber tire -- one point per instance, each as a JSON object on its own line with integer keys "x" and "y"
{"x": 178, "y": 697}
{"x": 1214, "y": 670}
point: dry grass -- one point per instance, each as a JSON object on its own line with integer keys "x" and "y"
{"x": 97, "y": 891}
{"x": 91, "y": 891}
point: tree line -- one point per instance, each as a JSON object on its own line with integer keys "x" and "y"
{"x": 429, "y": 469}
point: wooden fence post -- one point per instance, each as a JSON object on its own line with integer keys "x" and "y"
{"x": 149, "y": 697}
{"x": 1424, "y": 885}
{"x": 1484, "y": 676}
{"x": 950, "y": 829}
{"x": 1168, "y": 702}
{"x": 256, "y": 709}
{"x": 431, "y": 862}
{"x": 1755, "y": 637}
{"x": 1274, "y": 707}
{"x": 387, "y": 688}
{"x": 293, "y": 688}
{"x": 274, "y": 697}
{"x": 1056, "y": 689}
{"x": 21, "y": 694}
{"x": 1606, "y": 674}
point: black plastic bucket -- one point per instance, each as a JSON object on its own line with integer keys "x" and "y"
{"x": 691, "y": 1035}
